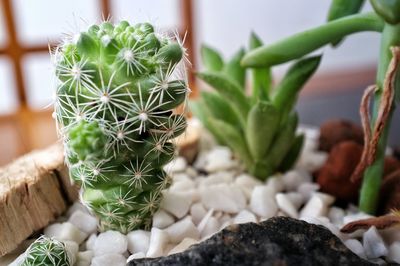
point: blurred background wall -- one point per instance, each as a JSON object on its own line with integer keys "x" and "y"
{"x": 28, "y": 26}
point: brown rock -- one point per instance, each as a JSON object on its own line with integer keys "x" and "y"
{"x": 333, "y": 132}
{"x": 390, "y": 193}
{"x": 334, "y": 176}
{"x": 391, "y": 165}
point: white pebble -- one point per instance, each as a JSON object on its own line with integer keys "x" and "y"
{"x": 307, "y": 190}
{"x": 185, "y": 244}
{"x": 176, "y": 203}
{"x": 262, "y": 202}
{"x": 197, "y": 211}
{"x": 109, "y": 259}
{"x": 296, "y": 199}
{"x": 205, "y": 219}
{"x": 77, "y": 205}
{"x": 226, "y": 198}
{"x": 110, "y": 242}
{"x": 219, "y": 159}
{"x": 224, "y": 218}
{"x": 373, "y": 244}
{"x": 222, "y": 177}
{"x": 312, "y": 161}
{"x": 182, "y": 185}
{"x": 210, "y": 228}
{"x": 285, "y": 205}
{"x": 246, "y": 184}
{"x": 65, "y": 231}
{"x": 275, "y": 183}
{"x": 394, "y": 252}
{"x": 390, "y": 235}
{"x": 336, "y": 215}
{"x": 84, "y": 258}
{"x": 90, "y": 242}
{"x": 317, "y": 206}
{"x": 356, "y": 247}
{"x": 138, "y": 241}
{"x": 158, "y": 242}
{"x": 72, "y": 249}
{"x": 244, "y": 216}
{"x": 191, "y": 172}
{"x": 181, "y": 229}
{"x": 161, "y": 219}
{"x": 178, "y": 164}
{"x": 84, "y": 221}
{"x": 139, "y": 255}
{"x": 294, "y": 178}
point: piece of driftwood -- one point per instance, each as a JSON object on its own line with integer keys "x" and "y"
{"x": 34, "y": 190}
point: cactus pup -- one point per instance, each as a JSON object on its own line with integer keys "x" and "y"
{"x": 117, "y": 88}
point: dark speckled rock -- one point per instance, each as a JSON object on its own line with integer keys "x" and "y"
{"x": 277, "y": 241}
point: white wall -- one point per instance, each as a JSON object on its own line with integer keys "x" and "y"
{"x": 226, "y": 25}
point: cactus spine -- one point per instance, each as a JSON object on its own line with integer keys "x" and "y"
{"x": 118, "y": 86}
{"x": 46, "y": 251}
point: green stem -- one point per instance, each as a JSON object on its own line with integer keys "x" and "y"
{"x": 308, "y": 41}
{"x": 369, "y": 194}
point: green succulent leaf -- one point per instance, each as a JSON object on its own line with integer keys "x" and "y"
{"x": 291, "y": 157}
{"x": 234, "y": 70}
{"x": 389, "y": 10}
{"x": 211, "y": 59}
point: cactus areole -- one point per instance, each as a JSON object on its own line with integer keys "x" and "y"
{"x": 116, "y": 91}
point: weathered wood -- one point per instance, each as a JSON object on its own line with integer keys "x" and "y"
{"x": 34, "y": 190}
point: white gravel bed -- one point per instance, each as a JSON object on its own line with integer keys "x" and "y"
{"x": 197, "y": 206}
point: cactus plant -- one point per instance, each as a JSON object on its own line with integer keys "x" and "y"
{"x": 117, "y": 88}
{"x": 260, "y": 128}
{"x": 46, "y": 251}
{"x": 343, "y": 20}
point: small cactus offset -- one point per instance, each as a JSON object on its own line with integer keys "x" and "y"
{"x": 118, "y": 86}
{"x": 260, "y": 128}
{"x": 45, "y": 252}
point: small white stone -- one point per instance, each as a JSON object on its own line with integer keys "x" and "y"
{"x": 178, "y": 164}
{"x": 317, "y": 206}
{"x": 191, "y": 172}
{"x": 223, "y": 177}
{"x": 336, "y": 215}
{"x": 312, "y": 161}
{"x": 219, "y": 159}
{"x": 210, "y": 228}
{"x": 225, "y": 218}
{"x": 84, "y": 221}
{"x": 182, "y": 185}
{"x": 294, "y": 178}
{"x": 84, "y": 258}
{"x": 244, "y": 216}
{"x": 356, "y": 247}
{"x": 109, "y": 259}
{"x": 307, "y": 190}
{"x": 222, "y": 197}
{"x": 90, "y": 242}
{"x": 185, "y": 244}
{"x": 158, "y": 242}
{"x": 176, "y": 203}
{"x": 390, "y": 235}
{"x": 161, "y": 219}
{"x": 246, "y": 184}
{"x": 197, "y": 211}
{"x": 263, "y": 202}
{"x": 65, "y": 231}
{"x": 181, "y": 229}
{"x": 373, "y": 244}
{"x": 275, "y": 183}
{"x": 138, "y": 241}
{"x": 285, "y": 205}
{"x": 110, "y": 242}
{"x": 139, "y": 255}
{"x": 296, "y": 199}
{"x": 72, "y": 249}
{"x": 394, "y": 252}
{"x": 75, "y": 207}
{"x": 202, "y": 224}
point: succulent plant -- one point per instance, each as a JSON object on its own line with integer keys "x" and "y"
{"x": 344, "y": 20}
{"x": 260, "y": 128}
{"x": 45, "y": 252}
{"x": 117, "y": 88}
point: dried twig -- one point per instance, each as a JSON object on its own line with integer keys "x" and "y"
{"x": 381, "y": 222}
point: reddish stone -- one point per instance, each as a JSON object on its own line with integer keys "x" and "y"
{"x": 334, "y": 176}
{"x": 390, "y": 193}
{"x": 391, "y": 165}
{"x": 333, "y": 132}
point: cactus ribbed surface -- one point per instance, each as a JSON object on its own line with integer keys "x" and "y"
{"x": 118, "y": 86}
{"x": 45, "y": 252}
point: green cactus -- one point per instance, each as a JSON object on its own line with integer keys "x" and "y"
{"x": 260, "y": 128}
{"x": 118, "y": 86}
{"x": 45, "y": 252}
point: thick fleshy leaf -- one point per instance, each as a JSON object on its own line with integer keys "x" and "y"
{"x": 211, "y": 59}
{"x": 234, "y": 70}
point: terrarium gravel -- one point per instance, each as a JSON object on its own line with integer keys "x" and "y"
{"x": 213, "y": 193}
